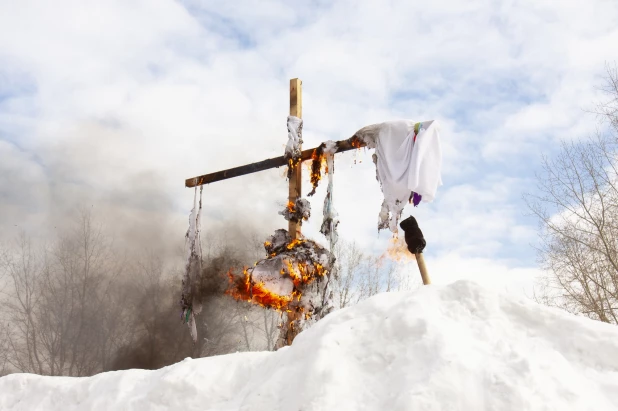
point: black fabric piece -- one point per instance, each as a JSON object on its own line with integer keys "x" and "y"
{"x": 413, "y": 235}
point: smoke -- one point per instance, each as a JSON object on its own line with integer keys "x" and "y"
{"x": 43, "y": 185}
{"x": 166, "y": 340}
{"x": 51, "y": 180}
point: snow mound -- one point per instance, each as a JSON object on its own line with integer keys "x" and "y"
{"x": 455, "y": 347}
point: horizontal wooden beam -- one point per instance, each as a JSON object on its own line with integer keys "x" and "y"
{"x": 342, "y": 145}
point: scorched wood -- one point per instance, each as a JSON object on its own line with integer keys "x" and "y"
{"x": 342, "y": 145}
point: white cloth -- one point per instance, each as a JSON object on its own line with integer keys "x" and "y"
{"x": 403, "y": 165}
{"x": 295, "y": 139}
{"x": 331, "y": 218}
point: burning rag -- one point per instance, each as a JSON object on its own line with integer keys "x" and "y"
{"x": 408, "y": 159}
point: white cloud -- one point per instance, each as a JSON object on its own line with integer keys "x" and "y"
{"x": 119, "y": 89}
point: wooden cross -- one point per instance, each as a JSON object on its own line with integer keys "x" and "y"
{"x": 295, "y": 178}
{"x": 295, "y": 186}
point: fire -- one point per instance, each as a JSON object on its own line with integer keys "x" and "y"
{"x": 291, "y": 207}
{"x": 317, "y": 164}
{"x": 297, "y": 262}
{"x": 356, "y": 142}
{"x": 303, "y": 273}
{"x": 292, "y": 164}
{"x": 242, "y": 288}
{"x": 265, "y": 298}
{"x": 397, "y": 250}
{"x": 294, "y": 243}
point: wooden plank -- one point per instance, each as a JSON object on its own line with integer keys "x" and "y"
{"x": 296, "y": 98}
{"x": 420, "y": 260}
{"x": 295, "y": 186}
{"x": 275, "y": 162}
{"x": 296, "y": 110}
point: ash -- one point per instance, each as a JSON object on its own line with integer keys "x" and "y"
{"x": 298, "y": 212}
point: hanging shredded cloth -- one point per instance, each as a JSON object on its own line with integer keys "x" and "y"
{"x": 190, "y": 300}
{"x": 330, "y": 217}
{"x": 329, "y": 225}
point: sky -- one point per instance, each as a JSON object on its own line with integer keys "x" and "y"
{"x": 112, "y": 105}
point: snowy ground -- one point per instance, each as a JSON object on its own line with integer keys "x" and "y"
{"x": 455, "y": 347}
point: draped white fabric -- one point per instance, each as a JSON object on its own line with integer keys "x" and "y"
{"x": 404, "y": 165}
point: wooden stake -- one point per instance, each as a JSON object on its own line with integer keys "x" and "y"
{"x": 296, "y": 109}
{"x": 420, "y": 260}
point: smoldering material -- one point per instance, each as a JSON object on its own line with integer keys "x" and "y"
{"x": 298, "y": 212}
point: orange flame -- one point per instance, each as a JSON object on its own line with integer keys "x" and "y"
{"x": 242, "y": 288}
{"x": 293, "y": 164}
{"x": 294, "y": 243}
{"x": 356, "y": 142}
{"x": 317, "y": 164}
{"x": 302, "y": 273}
{"x": 397, "y": 250}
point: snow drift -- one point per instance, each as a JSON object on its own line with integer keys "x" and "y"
{"x": 455, "y": 347}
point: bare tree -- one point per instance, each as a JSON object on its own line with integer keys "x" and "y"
{"x": 361, "y": 276}
{"x": 259, "y": 327}
{"x": 345, "y": 283}
{"x": 269, "y": 327}
{"x": 577, "y": 207}
{"x": 4, "y": 350}
{"x": 371, "y": 278}
{"x": 157, "y": 337}
{"x": 607, "y": 110}
{"x": 63, "y": 316}
{"x": 20, "y": 303}
{"x": 78, "y": 306}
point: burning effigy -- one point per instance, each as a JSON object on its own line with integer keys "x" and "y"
{"x": 295, "y": 274}
{"x": 293, "y": 278}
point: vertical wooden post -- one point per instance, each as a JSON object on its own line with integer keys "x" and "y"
{"x": 420, "y": 260}
{"x": 296, "y": 109}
